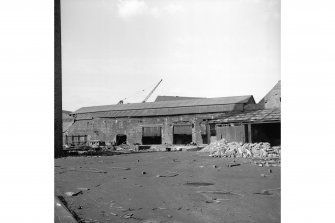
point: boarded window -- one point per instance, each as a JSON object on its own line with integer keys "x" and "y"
{"x": 182, "y": 134}
{"x": 151, "y": 135}
{"x": 182, "y": 130}
{"x": 151, "y": 131}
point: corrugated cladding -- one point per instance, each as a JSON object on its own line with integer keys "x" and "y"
{"x": 152, "y": 131}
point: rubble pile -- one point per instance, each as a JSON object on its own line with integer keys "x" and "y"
{"x": 260, "y": 150}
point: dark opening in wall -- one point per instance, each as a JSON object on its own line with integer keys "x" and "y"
{"x": 120, "y": 139}
{"x": 203, "y": 130}
{"x": 182, "y": 134}
{"x": 266, "y": 132}
{"x": 151, "y": 135}
{"x": 212, "y": 131}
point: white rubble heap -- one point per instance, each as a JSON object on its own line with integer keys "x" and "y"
{"x": 261, "y": 150}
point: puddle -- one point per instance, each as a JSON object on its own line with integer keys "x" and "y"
{"x": 198, "y": 184}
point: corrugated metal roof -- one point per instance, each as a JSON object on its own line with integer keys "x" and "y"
{"x": 161, "y": 111}
{"x": 264, "y": 115}
{"x": 167, "y": 104}
{"x": 174, "y": 98}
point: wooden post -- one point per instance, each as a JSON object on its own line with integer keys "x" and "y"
{"x": 249, "y": 133}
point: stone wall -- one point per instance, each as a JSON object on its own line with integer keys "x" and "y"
{"x": 273, "y": 98}
{"x": 106, "y": 129}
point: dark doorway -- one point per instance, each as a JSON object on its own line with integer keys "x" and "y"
{"x": 151, "y": 135}
{"x": 182, "y": 134}
{"x": 120, "y": 139}
{"x": 266, "y": 132}
{"x": 203, "y": 130}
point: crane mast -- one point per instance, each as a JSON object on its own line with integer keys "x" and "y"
{"x": 152, "y": 91}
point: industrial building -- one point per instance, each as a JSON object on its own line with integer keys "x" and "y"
{"x": 181, "y": 120}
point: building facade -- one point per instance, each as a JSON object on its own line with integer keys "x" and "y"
{"x": 163, "y": 122}
{"x": 182, "y": 120}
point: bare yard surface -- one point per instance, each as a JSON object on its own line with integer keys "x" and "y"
{"x": 168, "y": 187}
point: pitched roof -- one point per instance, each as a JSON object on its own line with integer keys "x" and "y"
{"x": 174, "y": 98}
{"x": 273, "y": 98}
{"x": 161, "y": 111}
{"x": 169, "y": 104}
{"x": 263, "y": 115}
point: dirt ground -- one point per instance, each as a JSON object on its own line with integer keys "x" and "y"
{"x": 168, "y": 187}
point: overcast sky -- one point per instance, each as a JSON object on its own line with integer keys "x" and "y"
{"x": 117, "y": 49}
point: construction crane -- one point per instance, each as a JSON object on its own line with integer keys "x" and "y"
{"x": 152, "y": 91}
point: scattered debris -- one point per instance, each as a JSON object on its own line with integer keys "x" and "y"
{"x": 221, "y": 192}
{"x": 264, "y": 192}
{"x": 233, "y": 164}
{"x": 128, "y": 215}
{"x": 76, "y": 194}
{"x": 120, "y": 168}
{"x": 170, "y": 175}
{"x": 198, "y": 184}
{"x": 72, "y": 194}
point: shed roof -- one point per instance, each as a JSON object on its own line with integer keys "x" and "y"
{"x": 263, "y": 115}
{"x": 169, "y": 104}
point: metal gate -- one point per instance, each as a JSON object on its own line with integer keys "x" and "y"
{"x": 230, "y": 133}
